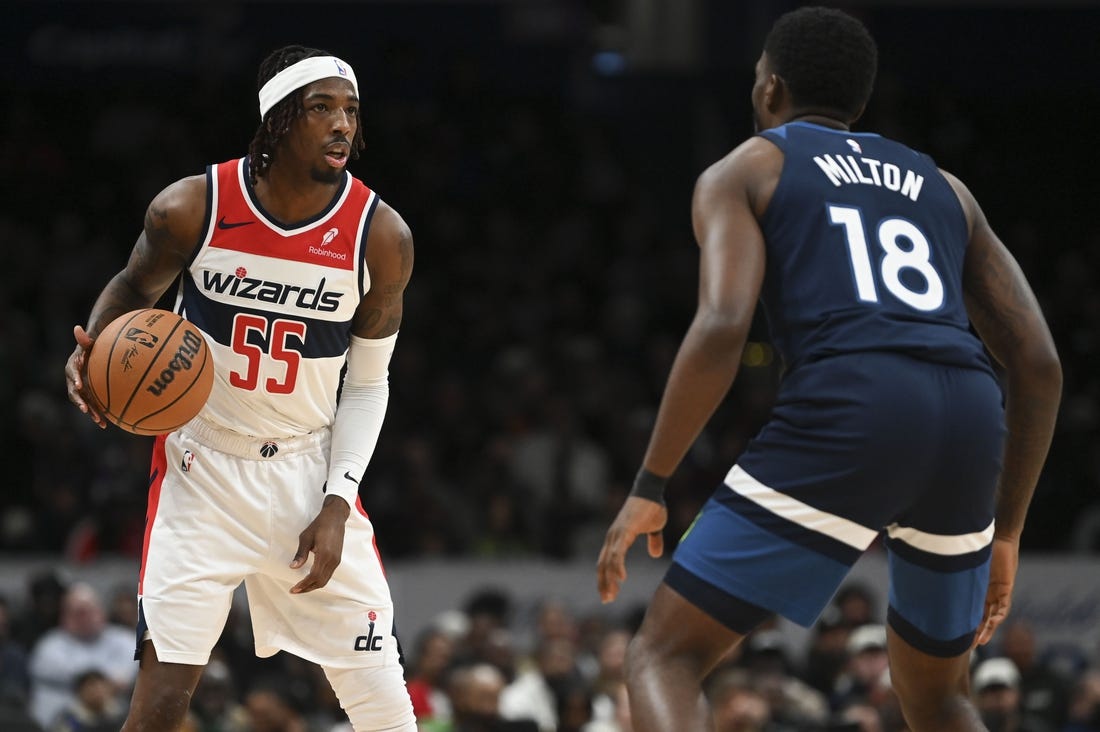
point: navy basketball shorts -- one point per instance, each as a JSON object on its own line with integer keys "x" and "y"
{"x": 857, "y": 445}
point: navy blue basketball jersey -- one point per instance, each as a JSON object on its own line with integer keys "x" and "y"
{"x": 865, "y": 244}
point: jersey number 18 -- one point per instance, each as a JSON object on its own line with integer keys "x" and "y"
{"x": 889, "y": 231}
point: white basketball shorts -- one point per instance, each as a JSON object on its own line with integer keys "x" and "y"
{"x": 224, "y": 508}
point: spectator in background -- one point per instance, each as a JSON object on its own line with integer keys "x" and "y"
{"x": 83, "y": 641}
{"x": 537, "y": 692}
{"x": 996, "y": 689}
{"x": 865, "y": 674}
{"x": 269, "y": 708}
{"x": 736, "y": 704}
{"x": 1084, "y": 708}
{"x": 214, "y": 707}
{"x": 610, "y": 672}
{"x": 14, "y": 681}
{"x": 44, "y": 592}
{"x": 96, "y": 707}
{"x": 424, "y": 677}
{"x": 122, "y": 607}
{"x": 475, "y": 692}
{"x": 856, "y": 605}
{"x": 794, "y": 704}
{"x": 1044, "y": 692}
{"x": 828, "y": 653}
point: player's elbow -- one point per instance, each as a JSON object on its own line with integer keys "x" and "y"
{"x": 1036, "y": 364}
{"x": 722, "y": 329}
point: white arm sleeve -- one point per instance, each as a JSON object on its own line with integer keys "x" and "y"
{"x": 359, "y": 414}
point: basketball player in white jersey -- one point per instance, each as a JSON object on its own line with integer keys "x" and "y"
{"x": 295, "y": 271}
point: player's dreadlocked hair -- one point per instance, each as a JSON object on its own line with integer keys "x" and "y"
{"x": 826, "y": 57}
{"x": 277, "y": 121}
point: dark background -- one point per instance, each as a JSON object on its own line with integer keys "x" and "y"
{"x": 543, "y": 154}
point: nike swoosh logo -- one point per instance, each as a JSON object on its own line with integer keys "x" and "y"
{"x": 223, "y": 224}
{"x": 348, "y": 475}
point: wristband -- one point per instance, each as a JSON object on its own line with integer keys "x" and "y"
{"x": 649, "y": 486}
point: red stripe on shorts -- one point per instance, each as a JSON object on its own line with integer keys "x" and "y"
{"x": 156, "y": 479}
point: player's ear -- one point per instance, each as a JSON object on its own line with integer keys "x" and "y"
{"x": 775, "y": 93}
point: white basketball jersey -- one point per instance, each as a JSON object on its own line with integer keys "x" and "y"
{"x": 276, "y": 303}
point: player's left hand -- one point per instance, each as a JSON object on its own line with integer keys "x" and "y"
{"x": 637, "y": 516}
{"x": 325, "y": 538}
{"x": 998, "y": 599}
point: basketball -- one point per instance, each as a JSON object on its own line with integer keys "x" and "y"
{"x": 150, "y": 371}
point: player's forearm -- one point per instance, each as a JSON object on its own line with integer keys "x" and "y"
{"x": 1031, "y": 408}
{"x": 360, "y": 414}
{"x": 118, "y": 297}
{"x": 701, "y": 375}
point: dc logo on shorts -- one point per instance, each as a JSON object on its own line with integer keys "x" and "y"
{"x": 370, "y": 641}
{"x": 268, "y": 449}
{"x": 188, "y": 458}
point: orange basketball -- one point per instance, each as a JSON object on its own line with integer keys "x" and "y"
{"x": 150, "y": 371}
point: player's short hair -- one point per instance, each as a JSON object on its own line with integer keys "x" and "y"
{"x": 827, "y": 58}
{"x": 278, "y": 119}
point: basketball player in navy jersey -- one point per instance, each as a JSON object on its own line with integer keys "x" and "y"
{"x": 872, "y": 265}
{"x": 295, "y": 271}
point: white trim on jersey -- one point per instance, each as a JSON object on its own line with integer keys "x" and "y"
{"x": 836, "y": 527}
{"x": 266, "y": 220}
{"x": 944, "y": 545}
{"x": 361, "y": 243}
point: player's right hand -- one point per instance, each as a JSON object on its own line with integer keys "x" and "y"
{"x": 74, "y": 376}
{"x": 637, "y": 516}
{"x": 1002, "y": 577}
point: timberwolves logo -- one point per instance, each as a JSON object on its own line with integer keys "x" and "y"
{"x": 268, "y": 449}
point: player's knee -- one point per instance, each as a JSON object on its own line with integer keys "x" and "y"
{"x": 373, "y": 698}
{"x": 654, "y": 652}
{"x": 160, "y": 708}
{"x": 942, "y": 710}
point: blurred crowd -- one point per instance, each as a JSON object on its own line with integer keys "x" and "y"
{"x": 66, "y": 666}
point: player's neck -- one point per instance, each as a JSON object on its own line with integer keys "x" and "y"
{"x": 819, "y": 118}
{"x": 292, "y": 196}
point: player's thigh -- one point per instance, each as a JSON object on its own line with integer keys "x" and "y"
{"x": 940, "y": 545}
{"x": 199, "y": 546}
{"x": 347, "y": 623}
{"x": 675, "y": 627}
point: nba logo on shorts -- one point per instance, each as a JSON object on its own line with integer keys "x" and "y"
{"x": 188, "y": 458}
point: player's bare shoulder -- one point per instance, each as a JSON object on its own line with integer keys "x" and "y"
{"x": 389, "y": 260}
{"x": 175, "y": 216}
{"x": 751, "y": 170}
{"x": 389, "y": 243}
{"x": 966, "y": 200}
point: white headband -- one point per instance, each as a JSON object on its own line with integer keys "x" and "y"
{"x": 298, "y": 75}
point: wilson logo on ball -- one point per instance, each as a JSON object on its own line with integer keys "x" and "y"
{"x": 188, "y": 349}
